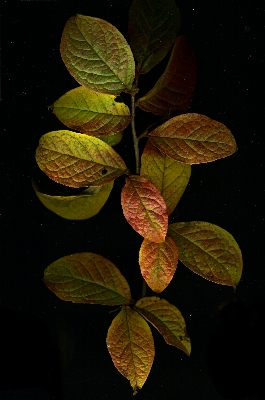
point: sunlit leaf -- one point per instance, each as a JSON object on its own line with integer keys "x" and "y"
{"x": 131, "y": 346}
{"x": 112, "y": 140}
{"x": 92, "y": 113}
{"x": 193, "y": 139}
{"x": 158, "y": 263}
{"x": 82, "y": 206}
{"x": 153, "y": 26}
{"x": 87, "y": 278}
{"x": 209, "y": 251}
{"x": 167, "y": 319}
{"x": 169, "y": 176}
{"x": 144, "y": 208}
{"x": 77, "y": 160}
{"x": 175, "y": 88}
{"x": 97, "y": 55}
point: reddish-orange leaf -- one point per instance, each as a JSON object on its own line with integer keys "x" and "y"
{"x": 193, "y": 139}
{"x": 131, "y": 346}
{"x": 158, "y": 263}
{"x": 175, "y": 88}
{"x": 144, "y": 208}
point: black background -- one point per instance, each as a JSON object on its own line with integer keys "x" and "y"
{"x": 228, "y": 39}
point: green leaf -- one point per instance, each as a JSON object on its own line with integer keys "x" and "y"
{"x": 174, "y": 90}
{"x": 77, "y": 160}
{"x": 97, "y": 55}
{"x": 167, "y": 319}
{"x": 153, "y": 26}
{"x": 131, "y": 346}
{"x": 82, "y": 206}
{"x": 87, "y": 278}
{"x": 193, "y": 139}
{"x": 92, "y": 113}
{"x": 209, "y": 251}
{"x": 169, "y": 176}
{"x": 113, "y": 139}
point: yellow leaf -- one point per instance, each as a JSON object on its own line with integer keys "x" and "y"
{"x": 167, "y": 319}
{"x": 131, "y": 346}
{"x": 82, "y": 206}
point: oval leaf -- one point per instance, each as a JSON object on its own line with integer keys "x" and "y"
{"x": 131, "y": 346}
{"x": 209, "y": 251}
{"x": 113, "y": 139}
{"x": 144, "y": 208}
{"x": 92, "y": 113}
{"x": 77, "y": 160}
{"x": 167, "y": 319}
{"x": 97, "y": 55}
{"x": 175, "y": 88}
{"x": 158, "y": 263}
{"x": 153, "y": 26}
{"x": 193, "y": 139}
{"x": 82, "y": 206}
{"x": 87, "y": 278}
{"x": 169, "y": 176}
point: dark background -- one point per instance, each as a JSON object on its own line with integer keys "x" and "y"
{"x": 228, "y": 39}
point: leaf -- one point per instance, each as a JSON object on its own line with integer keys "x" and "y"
{"x": 193, "y": 139}
{"x": 167, "y": 319}
{"x": 77, "y": 160}
{"x": 92, "y": 113}
{"x": 169, "y": 176}
{"x": 97, "y": 55}
{"x": 87, "y": 278}
{"x": 175, "y": 88}
{"x": 153, "y": 26}
{"x": 82, "y": 206}
{"x": 113, "y": 139}
{"x": 158, "y": 263}
{"x": 144, "y": 208}
{"x": 131, "y": 346}
{"x": 209, "y": 251}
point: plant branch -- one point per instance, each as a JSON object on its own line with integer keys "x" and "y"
{"x": 135, "y": 139}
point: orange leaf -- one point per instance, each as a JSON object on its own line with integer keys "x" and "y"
{"x": 158, "y": 263}
{"x": 193, "y": 139}
{"x": 131, "y": 346}
{"x": 144, "y": 208}
{"x": 175, "y": 88}
{"x": 167, "y": 319}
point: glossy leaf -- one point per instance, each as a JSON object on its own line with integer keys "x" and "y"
{"x": 169, "y": 176}
{"x": 144, "y": 208}
{"x": 92, "y": 113}
{"x": 175, "y": 88}
{"x": 97, "y": 55}
{"x": 153, "y": 26}
{"x": 167, "y": 319}
{"x": 112, "y": 140}
{"x": 87, "y": 278}
{"x": 158, "y": 263}
{"x": 209, "y": 251}
{"x": 77, "y": 160}
{"x": 82, "y": 206}
{"x": 193, "y": 139}
{"x": 131, "y": 346}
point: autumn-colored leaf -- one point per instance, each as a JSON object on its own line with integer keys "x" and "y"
{"x": 193, "y": 139}
{"x": 112, "y": 140}
{"x": 169, "y": 176}
{"x": 77, "y": 160}
{"x": 144, "y": 208}
{"x": 87, "y": 278}
{"x": 153, "y": 26}
{"x": 97, "y": 55}
{"x": 131, "y": 346}
{"x": 167, "y": 319}
{"x": 158, "y": 263}
{"x": 82, "y": 206}
{"x": 209, "y": 251}
{"x": 175, "y": 88}
{"x": 92, "y": 113}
